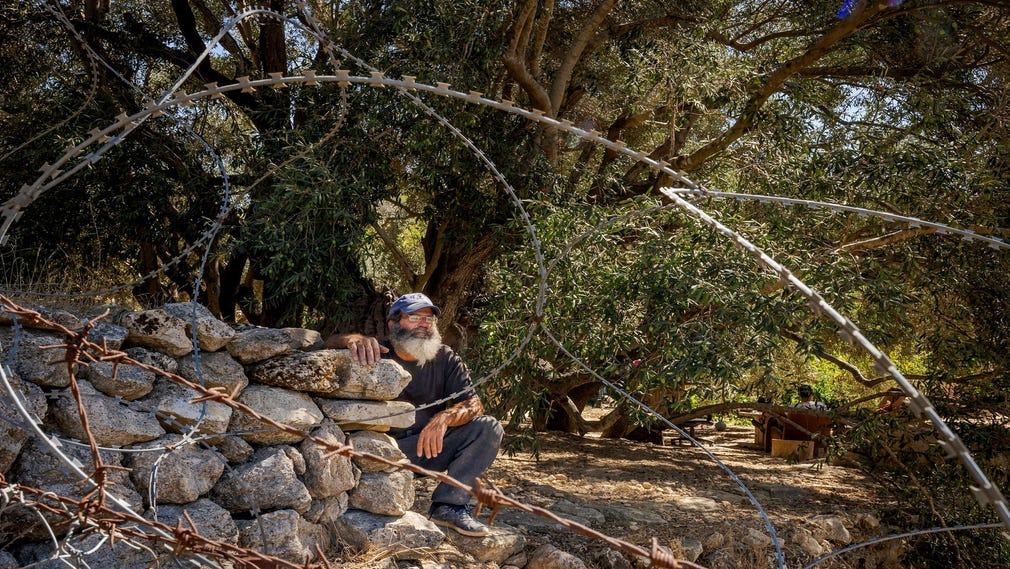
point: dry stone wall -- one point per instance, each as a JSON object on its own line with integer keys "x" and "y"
{"x": 240, "y": 481}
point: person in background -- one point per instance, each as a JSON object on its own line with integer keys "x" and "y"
{"x": 454, "y": 435}
{"x": 806, "y": 394}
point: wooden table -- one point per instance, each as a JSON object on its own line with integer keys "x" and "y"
{"x": 690, "y": 425}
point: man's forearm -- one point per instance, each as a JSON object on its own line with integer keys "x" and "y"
{"x": 462, "y": 413}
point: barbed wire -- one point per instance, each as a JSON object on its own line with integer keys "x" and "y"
{"x": 92, "y": 508}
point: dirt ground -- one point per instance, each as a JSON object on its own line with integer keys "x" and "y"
{"x": 668, "y": 492}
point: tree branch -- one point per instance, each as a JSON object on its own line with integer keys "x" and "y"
{"x": 564, "y": 75}
{"x": 614, "y": 131}
{"x": 521, "y": 28}
{"x": 146, "y": 43}
{"x": 433, "y": 260}
{"x": 540, "y": 38}
{"x": 401, "y": 259}
{"x": 525, "y": 79}
{"x": 884, "y": 240}
{"x": 853, "y": 370}
{"x": 744, "y": 47}
{"x": 820, "y": 47}
{"x": 227, "y": 41}
{"x": 187, "y": 25}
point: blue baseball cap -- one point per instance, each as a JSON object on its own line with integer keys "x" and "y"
{"x": 412, "y": 302}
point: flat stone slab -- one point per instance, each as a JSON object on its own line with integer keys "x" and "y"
{"x": 346, "y": 412}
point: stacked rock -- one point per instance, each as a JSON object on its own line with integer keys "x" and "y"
{"x": 240, "y": 481}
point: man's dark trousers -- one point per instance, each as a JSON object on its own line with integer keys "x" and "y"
{"x": 467, "y": 451}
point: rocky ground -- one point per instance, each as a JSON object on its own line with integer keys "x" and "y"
{"x": 639, "y": 491}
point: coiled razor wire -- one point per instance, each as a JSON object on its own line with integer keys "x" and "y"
{"x": 913, "y": 222}
{"x": 57, "y": 11}
{"x": 876, "y": 540}
{"x": 986, "y": 492}
{"x": 106, "y": 138}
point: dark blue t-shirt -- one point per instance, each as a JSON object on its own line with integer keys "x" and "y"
{"x": 440, "y": 377}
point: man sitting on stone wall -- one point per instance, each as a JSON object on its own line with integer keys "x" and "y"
{"x": 454, "y": 436}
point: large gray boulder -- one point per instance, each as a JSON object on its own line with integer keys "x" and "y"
{"x": 111, "y": 422}
{"x": 327, "y": 510}
{"x": 253, "y": 345}
{"x": 284, "y": 406}
{"x": 212, "y": 334}
{"x": 45, "y": 368}
{"x": 314, "y": 372}
{"x": 234, "y": 448}
{"x": 126, "y": 381}
{"x": 303, "y": 339}
{"x": 373, "y": 415}
{"x": 267, "y": 482}
{"x": 13, "y": 436}
{"x": 184, "y": 471}
{"x": 384, "y": 493}
{"x": 54, "y": 315}
{"x": 211, "y": 520}
{"x": 503, "y": 542}
{"x": 153, "y": 358}
{"x": 258, "y": 344}
{"x": 216, "y": 369}
{"x": 96, "y": 551}
{"x": 333, "y": 374}
{"x": 158, "y": 330}
{"x": 376, "y": 444}
{"x": 381, "y": 381}
{"x": 404, "y": 537}
{"x": 37, "y": 468}
{"x": 284, "y": 534}
{"x": 326, "y": 473}
{"x": 107, "y": 334}
{"x": 179, "y": 414}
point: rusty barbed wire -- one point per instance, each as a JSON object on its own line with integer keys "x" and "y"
{"x": 88, "y": 509}
{"x": 495, "y": 499}
{"x": 113, "y": 523}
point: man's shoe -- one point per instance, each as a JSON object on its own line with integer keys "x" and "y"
{"x": 457, "y": 517}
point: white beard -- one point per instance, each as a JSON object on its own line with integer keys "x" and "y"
{"x": 421, "y": 348}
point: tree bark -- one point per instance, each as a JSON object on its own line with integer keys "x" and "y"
{"x": 459, "y": 269}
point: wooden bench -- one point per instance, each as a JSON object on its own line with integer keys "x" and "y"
{"x": 808, "y": 427}
{"x": 799, "y": 425}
